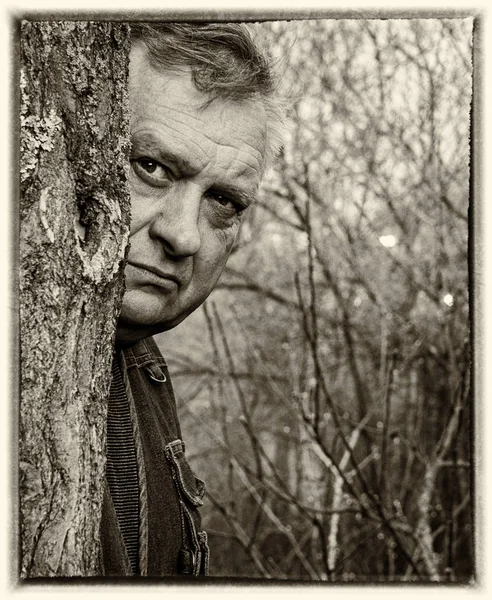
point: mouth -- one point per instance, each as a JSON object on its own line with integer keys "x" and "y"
{"x": 154, "y": 275}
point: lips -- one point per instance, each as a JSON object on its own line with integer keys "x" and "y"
{"x": 155, "y": 275}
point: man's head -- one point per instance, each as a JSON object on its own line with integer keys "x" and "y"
{"x": 204, "y": 126}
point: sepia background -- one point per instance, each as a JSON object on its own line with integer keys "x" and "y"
{"x": 324, "y": 387}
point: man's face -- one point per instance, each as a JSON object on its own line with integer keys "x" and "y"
{"x": 194, "y": 170}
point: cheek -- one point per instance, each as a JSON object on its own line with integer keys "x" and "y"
{"x": 225, "y": 240}
{"x": 143, "y": 205}
{"x": 228, "y": 236}
{"x": 138, "y": 216}
{"x": 214, "y": 252}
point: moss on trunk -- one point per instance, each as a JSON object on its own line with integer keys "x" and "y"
{"x": 74, "y": 219}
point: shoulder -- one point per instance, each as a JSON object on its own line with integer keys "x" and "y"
{"x": 143, "y": 353}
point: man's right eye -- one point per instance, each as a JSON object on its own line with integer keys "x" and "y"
{"x": 151, "y": 171}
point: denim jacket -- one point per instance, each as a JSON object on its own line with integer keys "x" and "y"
{"x": 171, "y": 541}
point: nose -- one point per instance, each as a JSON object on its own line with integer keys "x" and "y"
{"x": 176, "y": 222}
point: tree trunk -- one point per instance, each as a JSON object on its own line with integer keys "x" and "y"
{"x": 74, "y": 225}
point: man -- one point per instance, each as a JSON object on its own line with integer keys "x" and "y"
{"x": 204, "y": 126}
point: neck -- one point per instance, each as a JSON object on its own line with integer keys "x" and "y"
{"x": 126, "y": 337}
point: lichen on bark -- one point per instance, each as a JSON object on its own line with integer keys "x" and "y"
{"x": 74, "y": 216}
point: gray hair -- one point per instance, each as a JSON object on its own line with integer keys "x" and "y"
{"x": 225, "y": 61}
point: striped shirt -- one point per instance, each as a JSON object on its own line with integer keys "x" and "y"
{"x": 121, "y": 465}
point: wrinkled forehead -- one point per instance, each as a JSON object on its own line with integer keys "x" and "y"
{"x": 141, "y": 58}
{"x": 170, "y": 96}
{"x": 144, "y": 72}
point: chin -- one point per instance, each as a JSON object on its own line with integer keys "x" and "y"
{"x": 149, "y": 321}
{"x": 143, "y": 315}
{"x": 141, "y": 309}
{"x": 141, "y": 322}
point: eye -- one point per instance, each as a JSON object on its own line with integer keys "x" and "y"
{"x": 226, "y": 203}
{"x": 149, "y": 165}
{"x": 151, "y": 171}
{"x": 223, "y": 200}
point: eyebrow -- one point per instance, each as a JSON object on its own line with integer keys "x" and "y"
{"x": 244, "y": 197}
{"x": 148, "y": 141}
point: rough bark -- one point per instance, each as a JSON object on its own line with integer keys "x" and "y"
{"x": 74, "y": 223}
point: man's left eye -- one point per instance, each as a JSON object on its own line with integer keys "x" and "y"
{"x": 223, "y": 200}
{"x": 228, "y": 203}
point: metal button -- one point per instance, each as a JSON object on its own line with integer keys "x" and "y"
{"x": 155, "y": 374}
